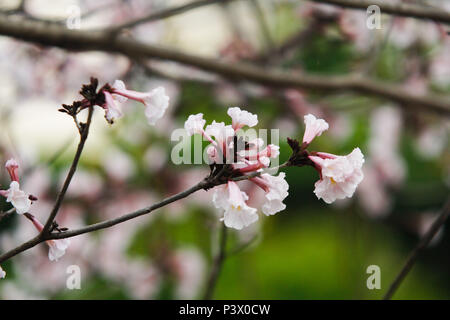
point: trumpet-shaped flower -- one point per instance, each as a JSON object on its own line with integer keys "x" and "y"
{"x": 340, "y": 175}
{"x": 156, "y": 101}
{"x": 57, "y": 248}
{"x": 276, "y": 188}
{"x": 237, "y": 214}
{"x": 18, "y": 198}
{"x": 241, "y": 118}
{"x": 195, "y": 124}
{"x": 313, "y": 128}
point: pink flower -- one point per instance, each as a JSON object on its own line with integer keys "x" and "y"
{"x": 13, "y": 169}
{"x": 57, "y": 248}
{"x": 194, "y": 124}
{"x": 276, "y": 188}
{"x": 314, "y": 128}
{"x": 18, "y": 198}
{"x": 113, "y": 110}
{"x": 340, "y": 175}
{"x": 241, "y": 118}
{"x": 156, "y": 101}
{"x": 2, "y": 273}
{"x": 237, "y": 214}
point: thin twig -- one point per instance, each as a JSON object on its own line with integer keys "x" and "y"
{"x": 204, "y": 184}
{"x": 217, "y": 264}
{"x": 412, "y": 258}
{"x": 163, "y": 14}
{"x": 84, "y": 132}
{"x": 399, "y": 9}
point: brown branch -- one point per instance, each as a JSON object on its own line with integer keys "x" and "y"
{"x": 398, "y": 9}
{"x": 84, "y": 132}
{"x": 167, "y": 13}
{"x": 217, "y": 265}
{"x": 204, "y": 184}
{"x": 52, "y": 35}
{"x": 412, "y": 258}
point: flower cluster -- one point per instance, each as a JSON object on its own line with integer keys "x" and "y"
{"x": 156, "y": 101}
{"x": 339, "y": 175}
{"x": 237, "y": 157}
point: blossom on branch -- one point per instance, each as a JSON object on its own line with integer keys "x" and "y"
{"x": 156, "y": 101}
{"x": 18, "y": 198}
{"x": 57, "y": 248}
{"x": 231, "y": 156}
{"x": 237, "y": 214}
{"x": 340, "y": 175}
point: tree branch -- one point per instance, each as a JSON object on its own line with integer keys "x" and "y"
{"x": 398, "y": 9}
{"x": 167, "y": 13}
{"x": 84, "y": 132}
{"x": 412, "y": 258}
{"x": 52, "y": 35}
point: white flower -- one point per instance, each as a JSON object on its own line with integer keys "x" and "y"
{"x": 313, "y": 128}
{"x": 242, "y": 118}
{"x": 237, "y": 213}
{"x": 156, "y": 101}
{"x": 194, "y": 124}
{"x": 276, "y": 188}
{"x": 2, "y": 273}
{"x": 57, "y": 248}
{"x": 113, "y": 110}
{"x": 18, "y": 198}
{"x": 156, "y": 104}
{"x": 278, "y": 191}
{"x": 340, "y": 175}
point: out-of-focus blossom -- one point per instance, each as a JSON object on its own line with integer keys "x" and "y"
{"x": 406, "y": 31}
{"x": 353, "y": 25}
{"x": 190, "y": 268}
{"x": 85, "y": 184}
{"x": 433, "y": 140}
{"x": 118, "y": 164}
{"x": 57, "y": 248}
{"x": 385, "y": 167}
{"x": 440, "y": 66}
{"x": 237, "y": 214}
{"x": 2, "y": 273}
{"x": 340, "y": 175}
{"x": 313, "y": 128}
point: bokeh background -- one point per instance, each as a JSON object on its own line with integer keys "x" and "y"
{"x": 309, "y": 251}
